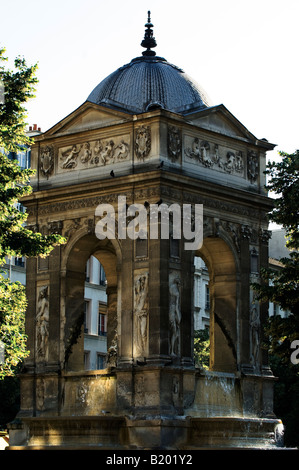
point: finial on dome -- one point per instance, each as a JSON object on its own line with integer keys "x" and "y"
{"x": 149, "y": 41}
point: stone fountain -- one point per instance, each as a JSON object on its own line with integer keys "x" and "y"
{"x": 161, "y": 150}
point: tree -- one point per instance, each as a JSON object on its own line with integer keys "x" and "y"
{"x": 202, "y": 348}
{"x": 15, "y": 238}
{"x": 282, "y": 287}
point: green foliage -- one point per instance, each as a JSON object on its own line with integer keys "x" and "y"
{"x": 15, "y": 238}
{"x": 284, "y": 181}
{"x": 202, "y": 349}
{"x": 19, "y": 87}
{"x": 12, "y": 325}
{"x": 282, "y": 287}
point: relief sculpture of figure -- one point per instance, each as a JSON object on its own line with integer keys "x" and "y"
{"x": 174, "y": 316}
{"x": 71, "y": 155}
{"x": 205, "y": 154}
{"x": 42, "y": 322}
{"x": 254, "y": 336}
{"x": 107, "y": 152}
{"x": 141, "y": 312}
{"x": 121, "y": 151}
{"x": 86, "y": 153}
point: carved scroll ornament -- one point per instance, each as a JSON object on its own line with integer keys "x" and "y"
{"x": 47, "y": 161}
{"x": 143, "y": 142}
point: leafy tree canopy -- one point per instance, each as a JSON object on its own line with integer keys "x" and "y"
{"x": 283, "y": 287}
{"x": 17, "y": 87}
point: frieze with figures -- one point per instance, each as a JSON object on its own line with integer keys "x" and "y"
{"x": 92, "y": 154}
{"x": 224, "y": 159}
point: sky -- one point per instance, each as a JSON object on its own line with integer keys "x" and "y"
{"x": 243, "y": 53}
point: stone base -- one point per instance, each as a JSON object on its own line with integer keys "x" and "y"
{"x": 120, "y": 433}
{"x": 234, "y": 432}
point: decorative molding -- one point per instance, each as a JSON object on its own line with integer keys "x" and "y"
{"x": 265, "y": 235}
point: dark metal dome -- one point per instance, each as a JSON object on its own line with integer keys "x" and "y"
{"x": 149, "y": 82}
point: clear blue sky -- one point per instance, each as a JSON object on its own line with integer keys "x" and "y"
{"x": 243, "y": 53}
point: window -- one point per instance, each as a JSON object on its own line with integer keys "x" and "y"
{"x": 86, "y": 316}
{"x": 101, "y": 361}
{"x": 174, "y": 247}
{"x": 87, "y": 272}
{"x": 102, "y": 280}
{"x": 207, "y": 297}
{"x": 102, "y": 323}
{"x": 254, "y": 261}
{"x": 20, "y": 262}
{"x": 141, "y": 248}
{"x": 86, "y": 360}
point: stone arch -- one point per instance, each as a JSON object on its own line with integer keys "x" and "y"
{"x": 220, "y": 258}
{"x": 77, "y": 253}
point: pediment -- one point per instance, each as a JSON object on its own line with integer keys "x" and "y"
{"x": 87, "y": 117}
{"x": 218, "y": 119}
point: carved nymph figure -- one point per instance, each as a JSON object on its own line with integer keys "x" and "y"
{"x": 42, "y": 323}
{"x": 175, "y": 316}
{"x": 141, "y": 313}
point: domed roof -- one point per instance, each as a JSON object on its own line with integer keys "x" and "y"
{"x": 149, "y": 82}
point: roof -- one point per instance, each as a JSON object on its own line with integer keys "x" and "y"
{"x": 149, "y": 82}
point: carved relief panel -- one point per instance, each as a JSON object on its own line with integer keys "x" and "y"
{"x": 214, "y": 156}
{"x": 92, "y": 154}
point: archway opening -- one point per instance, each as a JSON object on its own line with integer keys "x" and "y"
{"x": 91, "y": 286}
{"x": 219, "y": 293}
{"x": 95, "y": 316}
{"x": 201, "y": 312}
